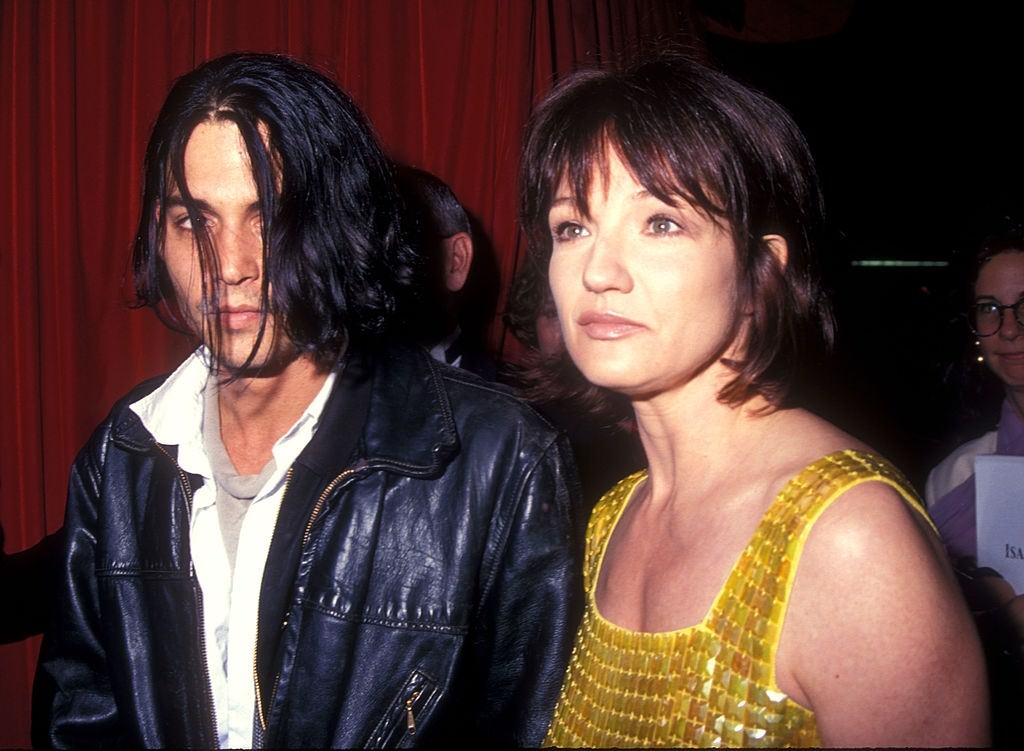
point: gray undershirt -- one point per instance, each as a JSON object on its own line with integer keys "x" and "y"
{"x": 234, "y": 491}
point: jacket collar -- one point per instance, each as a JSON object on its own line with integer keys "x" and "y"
{"x": 391, "y": 398}
{"x": 410, "y": 424}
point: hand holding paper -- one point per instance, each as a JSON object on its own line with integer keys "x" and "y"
{"x": 999, "y": 493}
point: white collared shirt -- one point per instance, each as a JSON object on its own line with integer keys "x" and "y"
{"x": 440, "y": 350}
{"x": 173, "y": 414}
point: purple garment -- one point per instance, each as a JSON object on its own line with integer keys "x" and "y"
{"x": 953, "y": 513}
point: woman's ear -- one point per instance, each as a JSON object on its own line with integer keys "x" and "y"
{"x": 779, "y": 248}
{"x": 771, "y": 268}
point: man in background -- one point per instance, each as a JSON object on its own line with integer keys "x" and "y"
{"x": 444, "y": 236}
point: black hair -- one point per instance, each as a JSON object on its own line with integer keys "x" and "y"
{"x": 334, "y": 252}
{"x": 433, "y": 202}
{"x": 528, "y": 297}
{"x": 687, "y": 131}
{"x": 433, "y": 214}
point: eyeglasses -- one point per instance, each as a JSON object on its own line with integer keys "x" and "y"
{"x": 985, "y": 318}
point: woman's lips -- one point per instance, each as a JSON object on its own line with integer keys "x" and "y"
{"x": 606, "y": 326}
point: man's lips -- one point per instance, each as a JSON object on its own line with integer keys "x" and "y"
{"x": 599, "y": 325}
{"x": 238, "y": 317}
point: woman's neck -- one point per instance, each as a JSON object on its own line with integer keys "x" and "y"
{"x": 1015, "y": 396}
{"x": 693, "y": 440}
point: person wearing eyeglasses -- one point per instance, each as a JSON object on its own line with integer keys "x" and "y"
{"x": 996, "y": 317}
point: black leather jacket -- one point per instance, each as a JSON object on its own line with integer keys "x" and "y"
{"x": 421, "y": 586}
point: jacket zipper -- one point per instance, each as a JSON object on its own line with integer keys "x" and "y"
{"x": 317, "y": 508}
{"x": 260, "y": 711}
{"x": 197, "y": 591}
{"x": 410, "y": 719}
{"x": 322, "y": 499}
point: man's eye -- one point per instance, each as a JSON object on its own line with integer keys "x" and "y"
{"x": 187, "y": 223}
{"x": 662, "y": 225}
{"x": 566, "y": 231}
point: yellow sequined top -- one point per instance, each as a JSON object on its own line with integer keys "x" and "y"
{"x": 712, "y": 684}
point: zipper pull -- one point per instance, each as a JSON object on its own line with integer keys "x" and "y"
{"x": 410, "y": 720}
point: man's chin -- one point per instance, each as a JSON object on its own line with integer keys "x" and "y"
{"x": 263, "y": 365}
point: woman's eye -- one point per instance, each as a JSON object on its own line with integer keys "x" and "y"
{"x": 662, "y": 225}
{"x": 566, "y": 231}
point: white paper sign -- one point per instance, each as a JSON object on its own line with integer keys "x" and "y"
{"x": 999, "y": 509}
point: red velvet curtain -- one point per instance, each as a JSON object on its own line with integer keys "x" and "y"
{"x": 447, "y": 83}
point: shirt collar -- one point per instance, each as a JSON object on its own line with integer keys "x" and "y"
{"x": 443, "y": 350}
{"x": 1010, "y": 440}
{"x": 173, "y": 415}
{"x": 289, "y": 445}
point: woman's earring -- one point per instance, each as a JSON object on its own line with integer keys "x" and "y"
{"x": 977, "y": 343}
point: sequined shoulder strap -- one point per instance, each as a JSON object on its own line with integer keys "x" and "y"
{"x": 602, "y": 521}
{"x": 769, "y": 562}
{"x": 810, "y": 493}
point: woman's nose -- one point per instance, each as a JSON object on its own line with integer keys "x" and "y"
{"x": 605, "y": 267}
{"x": 1009, "y": 325}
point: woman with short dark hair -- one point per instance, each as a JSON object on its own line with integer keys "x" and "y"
{"x": 767, "y": 580}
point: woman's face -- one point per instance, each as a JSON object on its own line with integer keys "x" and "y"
{"x": 1001, "y": 281}
{"x": 645, "y": 291}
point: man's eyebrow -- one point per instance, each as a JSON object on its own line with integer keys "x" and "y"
{"x": 175, "y": 201}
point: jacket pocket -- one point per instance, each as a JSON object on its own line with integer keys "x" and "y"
{"x": 406, "y": 715}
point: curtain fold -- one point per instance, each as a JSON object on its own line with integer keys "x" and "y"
{"x": 448, "y": 84}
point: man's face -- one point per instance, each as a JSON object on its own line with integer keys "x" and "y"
{"x": 219, "y": 177}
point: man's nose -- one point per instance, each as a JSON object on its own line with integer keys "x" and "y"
{"x": 240, "y": 255}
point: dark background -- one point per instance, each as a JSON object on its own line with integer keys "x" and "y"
{"x": 912, "y": 111}
{"x": 910, "y": 108}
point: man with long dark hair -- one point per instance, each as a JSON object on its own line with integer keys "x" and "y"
{"x": 309, "y": 534}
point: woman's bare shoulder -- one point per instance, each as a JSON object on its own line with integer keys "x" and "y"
{"x": 793, "y": 439}
{"x": 874, "y": 611}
